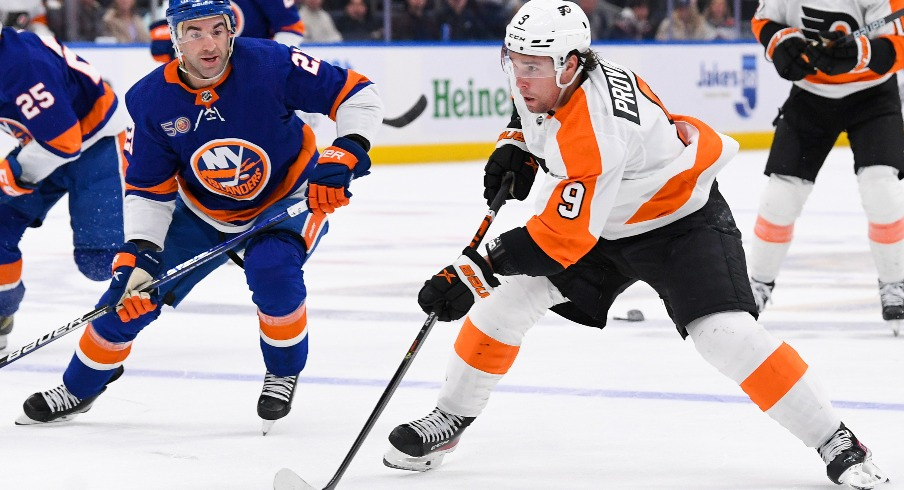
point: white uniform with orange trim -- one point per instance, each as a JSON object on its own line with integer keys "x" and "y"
{"x": 644, "y": 170}
{"x": 812, "y": 16}
{"x": 639, "y": 176}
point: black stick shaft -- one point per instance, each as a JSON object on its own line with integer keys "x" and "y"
{"x": 497, "y": 203}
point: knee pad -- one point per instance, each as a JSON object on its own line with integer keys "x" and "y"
{"x": 11, "y": 298}
{"x": 514, "y": 307}
{"x": 733, "y": 342}
{"x": 112, "y": 329}
{"x": 881, "y": 194}
{"x": 95, "y": 264}
{"x": 783, "y": 199}
{"x": 273, "y": 271}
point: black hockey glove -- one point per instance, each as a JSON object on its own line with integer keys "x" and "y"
{"x": 510, "y": 155}
{"x": 786, "y": 50}
{"x": 834, "y": 57}
{"x": 452, "y": 291}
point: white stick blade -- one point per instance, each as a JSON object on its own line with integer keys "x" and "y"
{"x": 286, "y": 479}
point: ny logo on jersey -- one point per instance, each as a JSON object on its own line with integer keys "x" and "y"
{"x": 16, "y": 130}
{"x": 234, "y": 168}
{"x": 208, "y": 114}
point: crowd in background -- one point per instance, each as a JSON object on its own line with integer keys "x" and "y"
{"x": 331, "y": 21}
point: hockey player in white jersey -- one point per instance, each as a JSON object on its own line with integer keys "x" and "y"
{"x": 630, "y": 195}
{"x": 838, "y": 86}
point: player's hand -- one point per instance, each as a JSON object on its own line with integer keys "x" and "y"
{"x": 132, "y": 270}
{"x": 510, "y": 155}
{"x": 834, "y": 58}
{"x": 452, "y": 291}
{"x": 336, "y": 167}
{"x": 10, "y": 182}
{"x": 787, "y": 51}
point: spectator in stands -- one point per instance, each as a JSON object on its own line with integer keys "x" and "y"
{"x": 718, "y": 15}
{"x": 685, "y": 23}
{"x": 90, "y": 23}
{"x": 415, "y": 22}
{"x": 356, "y": 24}
{"x": 124, "y": 24}
{"x": 460, "y": 21}
{"x": 319, "y": 25}
{"x": 634, "y": 22}
{"x": 599, "y": 23}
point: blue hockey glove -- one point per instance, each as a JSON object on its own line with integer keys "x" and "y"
{"x": 336, "y": 167}
{"x": 452, "y": 292}
{"x": 132, "y": 269}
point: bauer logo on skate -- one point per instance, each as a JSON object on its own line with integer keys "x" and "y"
{"x": 16, "y": 130}
{"x": 233, "y": 168}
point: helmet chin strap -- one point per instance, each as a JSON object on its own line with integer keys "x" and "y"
{"x": 563, "y": 88}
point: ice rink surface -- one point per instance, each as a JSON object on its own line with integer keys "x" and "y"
{"x": 630, "y": 406}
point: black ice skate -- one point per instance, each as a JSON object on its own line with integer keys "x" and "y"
{"x": 6, "y": 326}
{"x": 762, "y": 293}
{"x": 421, "y": 445}
{"x": 276, "y": 399}
{"x": 892, "y": 296}
{"x": 849, "y": 462}
{"x": 58, "y": 404}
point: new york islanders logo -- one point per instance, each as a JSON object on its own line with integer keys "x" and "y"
{"x": 233, "y": 168}
{"x": 16, "y": 130}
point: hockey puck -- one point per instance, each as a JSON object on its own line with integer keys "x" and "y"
{"x": 632, "y": 316}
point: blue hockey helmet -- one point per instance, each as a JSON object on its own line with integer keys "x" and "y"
{"x": 180, "y": 11}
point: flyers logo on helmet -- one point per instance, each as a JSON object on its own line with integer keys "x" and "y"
{"x": 233, "y": 168}
{"x": 16, "y": 130}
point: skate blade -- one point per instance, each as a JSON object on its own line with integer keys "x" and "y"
{"x": 266, "y": 426}
{"x": 863, "y": 476}
{"x": 287, "y": 479}
{"x": 25, "y": 420}
{"x": 401, "y": 461}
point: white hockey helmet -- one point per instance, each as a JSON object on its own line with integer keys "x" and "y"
{"x": 551, "y": 28}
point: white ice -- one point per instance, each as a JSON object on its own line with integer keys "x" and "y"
{"x": 631, "y": 406}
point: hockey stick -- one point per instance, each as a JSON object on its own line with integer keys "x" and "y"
{"x": 408, "y": 117}
{"x": 287, "y": 479}
{"x": 872, "y": 26}
{"x": 174, "y": 273}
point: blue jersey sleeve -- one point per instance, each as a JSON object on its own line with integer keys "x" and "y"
{"x": 314, "y": 85}
{"x": 281, "y": 15}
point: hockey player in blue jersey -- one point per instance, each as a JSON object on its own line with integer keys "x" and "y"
{"x": 216, "y": 147}
{"x": 262, "y": 19}
{"x": 59, "y": 123}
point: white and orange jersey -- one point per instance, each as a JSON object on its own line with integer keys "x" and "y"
{"x": 618, "y": 164}
{"x": 812, "y": 16}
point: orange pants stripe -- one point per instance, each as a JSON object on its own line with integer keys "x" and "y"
{"x": 774, "y": 377}
{"x": 11, "y": 273}
{"x": 284, "y": 327}
{"x": 483, "y": 352}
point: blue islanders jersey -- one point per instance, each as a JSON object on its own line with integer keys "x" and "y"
{"x": 234, "y": 148}
{"x": 264, "y": 18}
{"x": 52, "y": 101}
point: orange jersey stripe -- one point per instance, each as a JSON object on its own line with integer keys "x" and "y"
{"x": 297, "y": 28}
{"x": 771, "y": 232}
{"x": 774, "y": 377}
{"x": 227, "y": 215}
{"x": 70, "y": 142}
{"x": 887, "y": 233}
{"x": 284, "y": 327}
{"x": 99, "y": 112}
{"x": 756, "y": 25}
{"x": 648, "y": 92}
{"x": 102, "y": 351}
{"x": 679, "y": 188}
{"x": 354, "y": 78}
{"x": 10, "y": 273}
{"x": 566, "y": 240}
{"x": 167, "y": 187}
{"x": 483, "y": 352}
